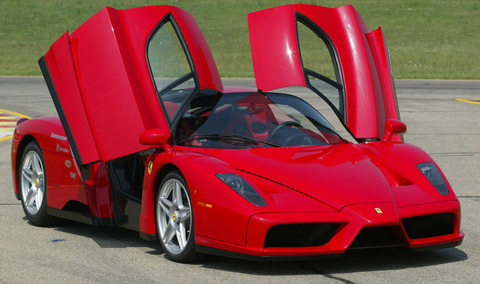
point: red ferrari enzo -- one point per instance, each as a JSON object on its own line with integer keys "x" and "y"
{"x": 149, "y": 139}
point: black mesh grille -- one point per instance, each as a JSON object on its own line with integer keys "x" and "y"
{"x": 429, "y": 225}
{"x": 300, "y": 235}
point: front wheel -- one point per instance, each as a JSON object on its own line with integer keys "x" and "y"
{"x": 32, "y": 185}
{"x": 174, "y": 219}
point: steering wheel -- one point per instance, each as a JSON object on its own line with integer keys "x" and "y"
{"x": 283, "y": 124}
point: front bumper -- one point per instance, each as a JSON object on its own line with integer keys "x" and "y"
{"x": 359, "y": 226}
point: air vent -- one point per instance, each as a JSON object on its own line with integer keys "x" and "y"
{"x": 300, "y": 235}
{"x": 385, "y": 236}
{"x": 428, "y": 226}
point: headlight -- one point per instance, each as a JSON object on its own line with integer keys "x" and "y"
{"x": 430, "y": 171}
{"x": 242, "y": 187}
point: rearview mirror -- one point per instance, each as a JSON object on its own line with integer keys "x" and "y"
{"x": 153, "y": 136}
{"x": 392, "y": 127}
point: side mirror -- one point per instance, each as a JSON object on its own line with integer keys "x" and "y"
{"x": 392, "y": 127}
{"x": 154, "y": 136}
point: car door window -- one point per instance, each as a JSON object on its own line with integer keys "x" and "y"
{"x": 320, "y": 66}
{"x": 170, "y": 68}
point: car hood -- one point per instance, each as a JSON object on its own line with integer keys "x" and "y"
{"x": 337, "y": 175}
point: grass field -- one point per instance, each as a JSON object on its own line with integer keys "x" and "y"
{"x": 428, "y": 39}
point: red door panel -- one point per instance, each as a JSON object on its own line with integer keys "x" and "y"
{"x": 368, "y": 92}
{"x": 101, "y": 83}
{"x": 381, "y": 56}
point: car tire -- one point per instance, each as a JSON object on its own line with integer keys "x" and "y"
{"x": 174, "y": 219}
{"x": 32, "y": 185}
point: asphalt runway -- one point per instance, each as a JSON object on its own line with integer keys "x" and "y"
{"x": 448, "y": 129}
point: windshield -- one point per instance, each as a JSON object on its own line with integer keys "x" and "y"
{"x": 241, "y": 120}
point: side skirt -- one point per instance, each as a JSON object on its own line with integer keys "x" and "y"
{"x": 148, "y": 237}
{"x": 78, "y": 217}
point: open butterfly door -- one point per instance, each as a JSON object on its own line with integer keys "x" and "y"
{"x": 292, "y": 45}
{"x": 119, "y": 73}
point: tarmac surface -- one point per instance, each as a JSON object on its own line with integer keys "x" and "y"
{"x": 446, "y": 128}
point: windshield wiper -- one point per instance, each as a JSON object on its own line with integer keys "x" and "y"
{"x": 230, "y": 138}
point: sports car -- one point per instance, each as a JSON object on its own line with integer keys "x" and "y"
{"x": 148, "y": 138}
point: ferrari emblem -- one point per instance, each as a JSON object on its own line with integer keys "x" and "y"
{"x": 150, "y": 166}
{"x": 174, "y": 217}
{"x": 379, "y": 211}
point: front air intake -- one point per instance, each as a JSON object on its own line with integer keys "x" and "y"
{"x": 300, "y": 235}
{"x": 428, "y": 226}
{"x": 375, "y": 237}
